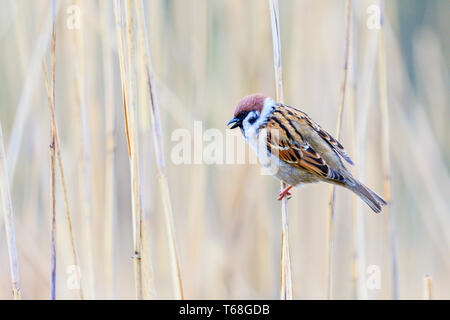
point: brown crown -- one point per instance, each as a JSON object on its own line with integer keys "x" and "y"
{"x": 250, "y": 103}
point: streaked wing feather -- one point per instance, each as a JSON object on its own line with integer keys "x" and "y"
{"x": 284, "y": 141}
{"x": 336, "y": 145}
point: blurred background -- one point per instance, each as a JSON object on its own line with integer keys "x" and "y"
{"x": 207, "y": 55}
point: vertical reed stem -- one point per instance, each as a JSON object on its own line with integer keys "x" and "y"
{"x": 52, "y": 168}
{"x": 63, "y": 179}
{"x": 385, "y": 145}
{"x": 348, "y": 38}
{"x": 361, "y": 124}
{"x": 132, "y": 125}
{"x": 285, "y": 273}
{"x": 159, "y": 153}
{"x": 85, "y": 174}
{"x": 110, "y": 187}
{"x": 128, "y": 77}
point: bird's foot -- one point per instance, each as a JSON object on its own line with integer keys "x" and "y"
{"x": 284, "y": 193}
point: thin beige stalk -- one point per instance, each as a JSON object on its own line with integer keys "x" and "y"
{"x": 63, "y": 179}
{"x": 361, "y": 124}
{"x": 428, "y": 287}
{"x": 110, "y": 187}
{"x": 285, "y": 273}
{"x": 351, "y": 106}
{"x": 128, "y": 77}
{"x": 52, "y": 168}
{"x": 85, "y": 163}
{"x": 5, "y": 200}
{"x": 386, "y": 155}
{"x": 132, "y": 125}
{"x": 159, "y": 153}
{"x": 348, "y": 38}
{"x": 146, "y": 186}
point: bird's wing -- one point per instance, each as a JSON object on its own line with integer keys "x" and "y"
{"x": 285, "y": 141}
{"x": 303, "y": 117}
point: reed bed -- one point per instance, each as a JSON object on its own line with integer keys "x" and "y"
{"x": 135, "y": 80}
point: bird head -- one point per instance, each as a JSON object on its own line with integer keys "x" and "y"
{"x": 248, "y": 110}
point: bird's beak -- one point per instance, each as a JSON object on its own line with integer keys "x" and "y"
{"x": 237, "y": 122}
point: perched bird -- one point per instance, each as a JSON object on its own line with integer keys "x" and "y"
{"x": 301, "y": 152}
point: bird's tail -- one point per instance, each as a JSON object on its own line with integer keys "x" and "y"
{"x": 374, "y": 201}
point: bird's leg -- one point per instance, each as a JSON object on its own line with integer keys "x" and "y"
{"x": 284, "y": 193}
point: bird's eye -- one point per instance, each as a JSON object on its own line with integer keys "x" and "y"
{"x": 252, "y": 119}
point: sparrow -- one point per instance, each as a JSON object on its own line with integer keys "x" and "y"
{"x": 287, "y": 139}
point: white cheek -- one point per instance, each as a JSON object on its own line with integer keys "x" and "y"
{"x": 258, "y": 143}
{"x": 253, "y": 137}
{"x": 250, "y": 131}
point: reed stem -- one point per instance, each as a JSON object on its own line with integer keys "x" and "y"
{"x": 285, "y": 273}
{"x": 386, "y": 154}
{"x": 52, "y": 167}
{"x": 63, "y": 179}
{"x": 85, "y": 163}
{"x": 331, "y": 214}
{"x": 110, "y": 180}
{"x": 159, "y": 153}
{"x": 128, "y": 77}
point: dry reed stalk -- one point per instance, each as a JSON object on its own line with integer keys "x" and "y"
{"x": 110, "y": 187}
{"x": 196, "y": 214}
{"x": 285, "y": 273}
{"x": 148, "y": 277}
{"x": 351, "y": 108}
{"x": 159, "y": 152}
{"x": 331, "y": 214}
{"x": 63, "y": 179}
{"x": 352, "y": 121}
{"x": 52, "y": 166}
{"x": 428, "y": 287}
{"x": 7, "y": 209}
{"x": 128, "y": 78}
{"x": 85, "y": 163}
{"x": 52, "y": 221}
{"x": 361, "y": 129}
{"x": 385, "y": 145}
{"x": 134, "y": 147}
{"x": 146, "y": 186}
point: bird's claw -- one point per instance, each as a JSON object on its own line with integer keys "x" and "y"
{"x": 285, "y": 193}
